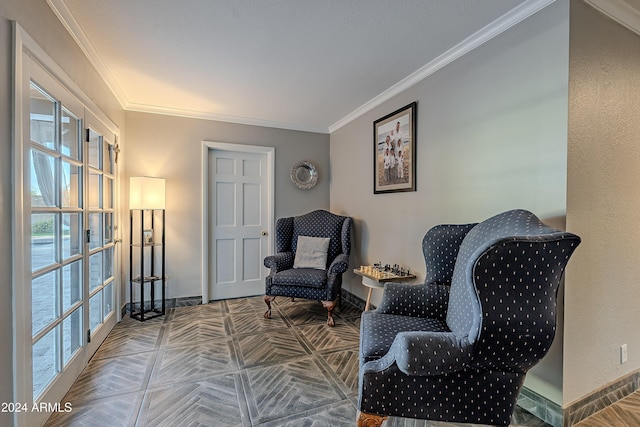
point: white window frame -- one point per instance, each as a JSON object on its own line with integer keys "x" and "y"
{"x": 25, "y": 49}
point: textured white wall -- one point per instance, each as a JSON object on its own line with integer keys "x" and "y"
{"x": 603, "y": 204}
{"x": 492, "y": 132}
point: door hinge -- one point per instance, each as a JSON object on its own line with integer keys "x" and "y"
{"x": 88, "y": 335}
{"x": 87, "y": 134}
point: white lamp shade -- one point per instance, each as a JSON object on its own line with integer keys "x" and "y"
{"x": 146, "y": 193}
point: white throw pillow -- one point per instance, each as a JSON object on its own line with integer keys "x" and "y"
{"x": 311, "y": 252}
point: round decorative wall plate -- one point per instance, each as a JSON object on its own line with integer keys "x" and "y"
{"x": 304, "y": 175}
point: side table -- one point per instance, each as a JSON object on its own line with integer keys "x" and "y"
{"x": 374, "y": 278}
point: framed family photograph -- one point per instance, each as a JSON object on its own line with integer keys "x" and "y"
{"x": 394, "y": 151}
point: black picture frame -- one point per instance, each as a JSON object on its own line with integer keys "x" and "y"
{"x": 394, "y": 165}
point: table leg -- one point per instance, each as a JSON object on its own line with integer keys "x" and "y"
{"x": 366, "y": 306}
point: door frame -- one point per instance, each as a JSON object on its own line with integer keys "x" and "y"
{"x": 93, "y": 121}
{"x": 207, "y": 146}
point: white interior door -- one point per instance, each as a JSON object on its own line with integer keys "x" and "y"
{"x": 238, "y": 223}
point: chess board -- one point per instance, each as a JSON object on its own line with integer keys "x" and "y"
{"x": 382, "y": 275}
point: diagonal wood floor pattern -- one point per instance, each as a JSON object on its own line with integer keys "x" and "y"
{"x": 223, "y": 364}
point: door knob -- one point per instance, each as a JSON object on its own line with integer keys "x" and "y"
{"x": 265, "y": 233}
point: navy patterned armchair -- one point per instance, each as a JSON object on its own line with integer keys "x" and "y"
{"x": 290, "y": 276}
{"x": 457, "y": 347}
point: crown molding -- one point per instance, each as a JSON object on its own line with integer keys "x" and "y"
{"x": 620, "y": 11}
{"x": 483, "y": 35}
{"x": 67, "y": 19}
{"x": 500, "y": 25}
{"x": 62, "y": 11}
{"x": 205, "y": 115}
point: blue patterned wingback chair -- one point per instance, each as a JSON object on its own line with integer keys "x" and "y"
{"x": 457, "y": 347}
{"x": 323, "y": 285}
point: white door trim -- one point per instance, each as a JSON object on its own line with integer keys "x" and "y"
{"x": 224, "y": 146}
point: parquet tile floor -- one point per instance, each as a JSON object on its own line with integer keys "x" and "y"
{"x": 223, "y": 364}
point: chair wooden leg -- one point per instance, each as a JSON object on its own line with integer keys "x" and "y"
{"x": 329, "y": 305}
{"x": 369, "y": 420}
{"x": 267, "y": 300}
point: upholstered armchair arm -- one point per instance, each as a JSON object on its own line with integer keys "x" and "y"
{"x": 426, "y": 300}
{"x": 280, "y": 261}
{"x": 421, "y": 353}
{"x": 339, "y": 265}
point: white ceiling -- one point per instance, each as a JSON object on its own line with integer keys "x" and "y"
{"x": 297, "y": 64}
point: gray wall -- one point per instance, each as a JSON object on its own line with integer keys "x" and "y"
{"x": 492, "y": 132}
{"x": 491, "y": 136}
{"x": 603, "y": 202}
{"x": 180, "y": 163}
{"x": 39, "y": 22}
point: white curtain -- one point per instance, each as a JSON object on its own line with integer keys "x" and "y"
{"x": 42, "y": 131}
